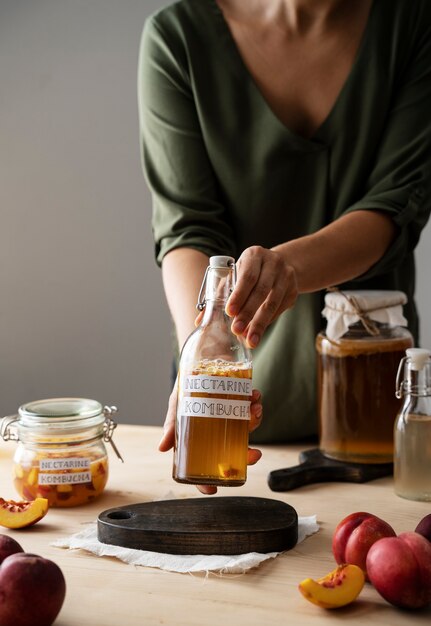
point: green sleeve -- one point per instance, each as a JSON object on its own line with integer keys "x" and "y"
{"x": 400, "y": 181}
{"x": 186, "y": 208}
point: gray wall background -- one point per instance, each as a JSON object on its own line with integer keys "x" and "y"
{"x": 82, "y": 311}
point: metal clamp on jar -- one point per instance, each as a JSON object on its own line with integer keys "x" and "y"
{"x": 358, "y": 358}
{"x": 61, "y": 454}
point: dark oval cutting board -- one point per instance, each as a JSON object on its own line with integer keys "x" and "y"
{"x": 221, "y": 525}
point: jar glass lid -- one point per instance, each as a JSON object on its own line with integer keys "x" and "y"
{"x": 62, "y": 408}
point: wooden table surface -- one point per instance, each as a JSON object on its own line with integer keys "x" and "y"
{"x": 108, "y": 592}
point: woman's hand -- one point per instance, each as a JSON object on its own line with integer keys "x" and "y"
{"x": 266, "y": 286}
{"x": 168, "y": 439}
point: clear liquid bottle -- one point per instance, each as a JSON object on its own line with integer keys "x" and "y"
{"x": 412, "y": 434}
{"x": 214, "y": 391}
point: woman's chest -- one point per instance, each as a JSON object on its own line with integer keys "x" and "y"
{"x": 300, "y": 76}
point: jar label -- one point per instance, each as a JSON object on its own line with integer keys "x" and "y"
{"x": 215, "y": 407}
{"x": 68, "y": 468}
{"x": 69, "y": 463}
{"x": 225, "y": 385}
{"x": 71, "y": 478}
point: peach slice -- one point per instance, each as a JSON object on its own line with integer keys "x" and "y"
{"x": 227, "y": 471}
{"x": 22, "y": 514}
{"x": 99, "y": 476}
{"x": 338, "y": 588}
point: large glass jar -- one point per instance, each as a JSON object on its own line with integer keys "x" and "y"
{"x": 356, "y": 402}
{"x": 61, "y": 454}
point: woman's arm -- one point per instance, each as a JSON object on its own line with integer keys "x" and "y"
{"x": 269, "y": 281}
{"x": 183, "y": 270}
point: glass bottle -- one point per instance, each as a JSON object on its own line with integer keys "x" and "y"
{"x": 214, "y": 391}
{"x": 61, "y": 454}
{"x": 412, "y": 432}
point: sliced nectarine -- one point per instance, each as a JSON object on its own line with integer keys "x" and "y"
{"x": 338, "y": 588}
{"x": 21, "y": 514}
{"x": 99, "y": 476}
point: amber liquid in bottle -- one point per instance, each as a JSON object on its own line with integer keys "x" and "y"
{"x": 214, "y": 449}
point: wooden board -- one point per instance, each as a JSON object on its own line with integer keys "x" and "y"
{"x": 221, "y": 525}
{"x": 314, "y": 467}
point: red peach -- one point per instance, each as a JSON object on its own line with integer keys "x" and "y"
{"x": 354, "y": 536}
{"x": 424, "y": 527}
{"x": 400, "y": 569}
{"x": 32, "y": 590}
{"x": 8, "y": 546}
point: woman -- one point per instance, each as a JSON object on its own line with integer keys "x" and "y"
{"x": 294, "y": 135}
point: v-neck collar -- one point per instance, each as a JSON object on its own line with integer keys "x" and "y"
{"x": 318, "y": 137}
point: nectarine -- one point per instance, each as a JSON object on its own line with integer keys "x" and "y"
{"x": 354, "y": 536}
{"x": 8, "y": 546}
{"x": 21, "y": 514}
{"x": 32, "y": 590}
{"x": 400, "y": 569}
{"x": 424, "y": 527}
{"x": 336, "y": 589}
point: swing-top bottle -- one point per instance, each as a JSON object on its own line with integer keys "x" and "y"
{"x": 214, "y": 390}
{"x": 412, "y": 434}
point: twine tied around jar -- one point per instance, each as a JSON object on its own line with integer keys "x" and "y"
{"x": 367, "y": 323}
{"x": 370, "y": 307}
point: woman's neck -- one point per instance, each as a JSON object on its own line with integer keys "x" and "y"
{"x": 295, "y": 15}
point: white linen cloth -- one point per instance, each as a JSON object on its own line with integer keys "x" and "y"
{"x": 223, "y": 564}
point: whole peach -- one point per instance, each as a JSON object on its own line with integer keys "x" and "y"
{"x": 400, "y": 569}
{"x": 424, "y": 527}
{"x": 355, "y": 535}
{"x": 8, "y": 546}
{"x": 32, "y": 590}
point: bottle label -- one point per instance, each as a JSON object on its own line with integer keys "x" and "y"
{"x": 224, "y": 385}
{"x": 215, "y": 407}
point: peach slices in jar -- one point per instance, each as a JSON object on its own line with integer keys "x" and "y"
{"x": 65, "y": 481}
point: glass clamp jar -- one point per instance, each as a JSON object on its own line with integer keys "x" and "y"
{"x": 61, "y": 454}
{"x": 357, "y": 361}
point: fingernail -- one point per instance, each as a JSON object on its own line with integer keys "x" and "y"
{"x": 238, "y": 327}
{"x": 254, "y": 340}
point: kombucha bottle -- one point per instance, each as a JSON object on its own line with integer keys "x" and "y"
{"x": 214, "y": 391}
{"x": 412, "y": 433}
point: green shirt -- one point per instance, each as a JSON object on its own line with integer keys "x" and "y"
{"x": 226, "y": 173}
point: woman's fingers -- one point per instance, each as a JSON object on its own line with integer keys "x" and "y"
{"x": 266, "y": 287}
{"x": 256, "y": 410}
{"x": 253, "y": 456}
{"x": 208, "y": 490}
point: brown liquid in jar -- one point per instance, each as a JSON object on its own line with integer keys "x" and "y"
{"x": 356, "y": 395}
